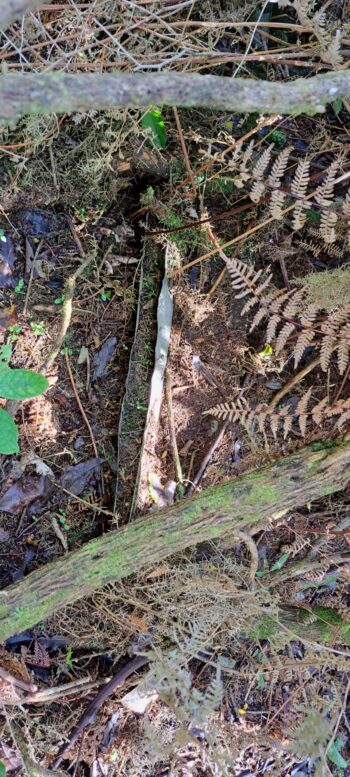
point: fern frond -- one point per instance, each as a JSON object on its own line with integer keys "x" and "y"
{"x": 258, "y": 318}
{"x": 301, "y": 179}
{"x": 257, "y": 191}
{"x": 299, "y": 218}
{"x": 328, "y": 221}
{"x": 276, "y": 302}
{"x": 291, "y": 309}
{"x": 316, "y": 249}
{"x": 287, "y": 426}
{"x": 274, "y": 424}
{"x": 244, "y": 278}
{"x": 328, "y": 345}
{"x": 346, "y": 204}
{"x": 283, "y": 336}
{"x": 308, "y": 316}
{"x": 336, "y": 320}
{"x": 304, "y": 341}
{"x": 272, "y": 325}
{"x": 259, "y": 168}
{"x": 324, "y": 193}
{"x": 301, "y": 410}
{"x": 343, "y": 355}
{"x": 293, "y": 548}
{"x": 318, "y": 411}
{"x": 316, "y": 575}
{"x": 331, "y": 53}
{"x": 276, "y": 204}
{"x": 279, "y": 168}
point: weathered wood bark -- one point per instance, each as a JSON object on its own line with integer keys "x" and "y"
{"x": 10, "y": 9}
{"x": 243, "y": 503}
{"x": 67, "y": 92}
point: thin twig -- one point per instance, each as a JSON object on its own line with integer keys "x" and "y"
{"x": 92, "y": 708}
{"x": 293, "y": 382}
{"x": 184, "y": 149}
{"x": 196, "y": 480}
{"x": 86, "y": 420}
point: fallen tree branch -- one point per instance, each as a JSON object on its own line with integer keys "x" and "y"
{"x": 244, "y": 503}
{"x": 59, "y": 92}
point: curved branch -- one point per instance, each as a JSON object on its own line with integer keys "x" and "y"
{"x": 60, "y": 92}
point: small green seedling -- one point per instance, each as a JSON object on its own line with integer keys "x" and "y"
{"x": 38, "y": 327}
{"x": 105, "y": 295}
{"x": 69, "y": 659}
{"x": 14, "y": 331}
{"x": 19, "y": 286}
{"x": 59, "y": 300}
{"x": 15, "y": 384}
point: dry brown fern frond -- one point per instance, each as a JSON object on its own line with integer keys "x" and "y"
{"x": 301, "y": 179}
{"x": 327, "y": 226}
{"x": 289, "y": 319}
{"x": 264, "y": 417}
{"x": 317, "y": 249}
{"x": 298, "y": 544}
{"x": 279, "y": 168}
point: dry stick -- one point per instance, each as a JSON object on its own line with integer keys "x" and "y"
{"x": 196, "y": 480}
{"x": 91, "y": 710}
{"x": 173, "y": 441}
{"x": 61, "y": 92}
{"x": 67, "y": 306}
{"x": 293, "y": 382}
{"x": 86, "y": 420}
{"x": 184, "y": 149}
{"x": 51, "y": 694}
{"x": 12, "y": 680}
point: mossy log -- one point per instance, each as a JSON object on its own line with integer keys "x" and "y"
{"x": 244, "y": 503}
{"x": 58, "y": 92}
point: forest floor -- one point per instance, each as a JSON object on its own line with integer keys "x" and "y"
{"x": 138, "y": 199}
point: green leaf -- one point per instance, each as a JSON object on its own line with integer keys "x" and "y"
{"x": 279, "y": 563}
{"x": 261, "y": 680}
{"x": 154, "y": 121}
{"x": 21, "y": 384}
{"x": 337, "y": 105}
{"x": 19, "y": 287}
{"x": 266, "y": 352}
{"x": 8, "y": 438}
{"x": 5, "y": 354}
{"x": 2, "y": 769}
{"x": 334, "y": 755}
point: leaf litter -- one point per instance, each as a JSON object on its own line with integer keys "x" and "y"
{"x": 172, "y": 603}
